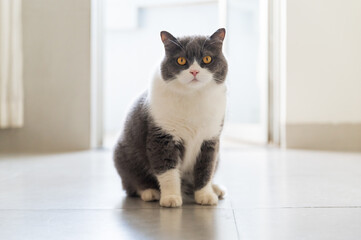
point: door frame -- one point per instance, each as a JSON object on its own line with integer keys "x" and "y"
{"x": 277, "y": 64}
{"x": 96, "y": 91}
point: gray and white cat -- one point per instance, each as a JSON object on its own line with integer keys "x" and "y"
{"x": 171, "y": 136}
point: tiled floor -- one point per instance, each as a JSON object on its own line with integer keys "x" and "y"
{"x": 272, "y": 194}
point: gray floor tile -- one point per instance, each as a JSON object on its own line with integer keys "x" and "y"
{"x": 299, "y": 223}
{"x": 66, "y": 181}
{"x": 118, "y": 224}
{"x": 291, "y": 179}
{"x": 296, "y": 191}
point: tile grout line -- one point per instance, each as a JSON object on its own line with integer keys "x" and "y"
{"x": 205, "y": 208}
{"x": 305, "y": 207}
{"x": 235, "y": 222}
{"x": 104, "y": 209}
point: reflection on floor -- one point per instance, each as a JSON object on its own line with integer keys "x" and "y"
{"x": 272, "y": 194}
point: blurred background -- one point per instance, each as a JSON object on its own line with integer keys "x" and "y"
{"x": 70, "y": 69}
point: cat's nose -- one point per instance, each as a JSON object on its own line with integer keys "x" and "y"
{"x": 194, "y": 72}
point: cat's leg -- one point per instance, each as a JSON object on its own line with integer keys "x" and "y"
{"x": 164, "y": 153}
{"x": 203, "y": 172}
{"x": 170, "y": 187}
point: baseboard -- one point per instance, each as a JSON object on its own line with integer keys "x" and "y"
{"x": 333, "y": 137}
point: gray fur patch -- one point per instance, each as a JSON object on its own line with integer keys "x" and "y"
{"x": 144, "y": 150}
{"x": 205, "y": 164}
{"x": 163, "y": 152}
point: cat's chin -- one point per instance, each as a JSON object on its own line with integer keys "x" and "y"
{"x": 185, "y": 88}
{"x": 191, "y": 81}
{"x": 195, "y": 84}
{"x": 195, "y": 81}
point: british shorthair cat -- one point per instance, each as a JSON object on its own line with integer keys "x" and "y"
{"x": 170, "y": 141}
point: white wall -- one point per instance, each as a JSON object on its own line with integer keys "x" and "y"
{"x": 56, "y": 78}
{"x": 322, "y": 90}
{"x": 323, "y": 78}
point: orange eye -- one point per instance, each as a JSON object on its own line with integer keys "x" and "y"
{"x": 181, "y": 61}
{"x": 207, "y": 59}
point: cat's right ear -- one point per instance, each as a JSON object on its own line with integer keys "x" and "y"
{"x": 165, "y": 36}
{"x": 219, "y": 35}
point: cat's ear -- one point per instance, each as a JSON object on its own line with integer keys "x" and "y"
{"x": 219, "y": 35}
{"x": 165, "y": 36}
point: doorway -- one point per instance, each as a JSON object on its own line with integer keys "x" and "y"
{"x": 131, "y": 49}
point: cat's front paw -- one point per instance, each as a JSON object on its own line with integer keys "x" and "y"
{"x": 206, "y": 197}
{"x": 171, "y": 201}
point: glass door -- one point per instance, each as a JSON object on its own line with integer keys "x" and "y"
{"x": 247, "y": 48}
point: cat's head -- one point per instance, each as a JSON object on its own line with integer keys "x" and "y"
{"x": 194, "y": 61}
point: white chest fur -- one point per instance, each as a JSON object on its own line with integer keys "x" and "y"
{"x": 189, "y": 116}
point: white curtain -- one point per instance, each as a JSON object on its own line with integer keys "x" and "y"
{"x": 11, "y": 82}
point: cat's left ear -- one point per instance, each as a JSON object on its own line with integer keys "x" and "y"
{"x": 219, "y": 35}
{"x": 165, "y": 36}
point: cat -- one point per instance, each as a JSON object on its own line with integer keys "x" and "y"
{"x": 170, "y": 141}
